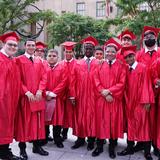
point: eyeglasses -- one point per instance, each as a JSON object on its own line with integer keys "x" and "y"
{"x": 68, "y": 52}
{"x": 110, "y": 52}
{"x": 31, "y": 45}
{"x": 149, "y": 36}
{"x": 12, "y": 45}
{"x": 39, "y": 50}
{"x": 52, "y": 56}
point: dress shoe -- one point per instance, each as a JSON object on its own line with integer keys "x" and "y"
{"x": 59, "y": 145}
{"x": 148, "y": 156}
{"x": 40, "y": 151}
{"x": 78, "y": 143}
{"x": 112, "y": 152}
{"x": 139, "y": 147}
{"x": 125, "y": 152}
{"x": 90, "y": 146}
{"x": 64, "y": 137}
{"x": 23, "y": 154}
{"x": 156, "y": 152}
{"x": 49, "y": 138}
{"x": 43, "y": 142}
{"x": 97, "y": 152}
{"x": 10, "y": 156}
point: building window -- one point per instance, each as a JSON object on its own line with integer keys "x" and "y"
{"x": 111, "y": 9}
{"x": 80, "y": 8}
{"x": 144, "y": 7}
{"x": 100, "y": 9}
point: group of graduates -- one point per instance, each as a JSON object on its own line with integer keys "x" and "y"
{"x": 113, "y": 90}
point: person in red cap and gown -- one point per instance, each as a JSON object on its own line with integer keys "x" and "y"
{"x": 126, "y": 37}
{"x": 110, "y": 83}
{"x": 139, "y": 97}
{"x": 30, "y": 124}
{"x": 40, "y": 52}
{"x": 83, "y": 96}
{"x": 9, "y": 93}
{"x": 55, "y": 89}
{"x": 149, "y": 53}
{"x": 68, "y": 64}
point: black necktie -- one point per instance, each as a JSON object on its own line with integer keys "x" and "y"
{"x": 110, "y": 63}
{"x": 52, "y": 66}
{"x": 151, "y": 53}
{"x": 31, "y": 59}
{"x": 130, "y": 69}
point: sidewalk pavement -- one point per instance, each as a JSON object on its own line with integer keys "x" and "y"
{"x": 67, "y": 153}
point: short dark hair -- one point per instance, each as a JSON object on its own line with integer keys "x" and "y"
{"x": 29, "y": 39}
{"x": 53, "y": 50}
{"x": 99, "y": 48}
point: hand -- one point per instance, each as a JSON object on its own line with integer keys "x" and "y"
{"x": 49, "y": 98}
{"x": 109, "y": 98}
{"x": 105, "y": 92}
{"x": 38, "y": 95}
{"x": 30, "y": 96}
{"x": 73, "y": 101}
{"x": 147, "y": 107}
{"x": 158, "y": 82}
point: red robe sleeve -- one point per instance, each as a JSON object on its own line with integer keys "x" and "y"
{"x": 72, "y": 84}
{"x": 147, "y": 95}
{"x": 60, "y": 88}
{"x": 97, "y": 81}
{"x": 43, "y": 82}
{"x": 118, "y": 89}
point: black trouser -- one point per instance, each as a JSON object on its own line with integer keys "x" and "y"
{"x": 130, "y": 144}
{"x": 57, "y": 133}
{"x": 147, "y": 147}
{"x": 4, "y": 149}
{"x": 22, "y": 145}
{"x": 91, "y": 139}
{"x": 65, "y": 131}
{"x": 112, "y": 143}
{"x": 47, "y": 131}
{"x": 100, "y": 143}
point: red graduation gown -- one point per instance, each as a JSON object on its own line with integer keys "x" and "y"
{"x": 109, "y": 116}
{"x": 148, "y": 60}
{"x": 119, "y": 56}
{"x": 9, "y": 95}
{"x": 139, "y": 92}
{"x": 155, "y": 70}
{"x": 68, "y": 107}
{"x": 56, "y": 83}
{"x": 30, "y": 125}
{"x": 83, "y": 89}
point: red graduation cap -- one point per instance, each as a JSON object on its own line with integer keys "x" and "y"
{"x": 129, "y": 50}
{"x": 69, "y": 45}
{"x": 90, "y": 40}
{"x": 112, "y": 42}
{"x": 9, "y": 36}
{"x": 127, "y": 33}
{"x": 148, "y": 29}
{"x": 40, "y": 45}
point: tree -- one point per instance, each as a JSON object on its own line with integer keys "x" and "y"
{"x": 135, "y": 17}
{"x": 14, "y": 15}
{"x": 74, "y": 27}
